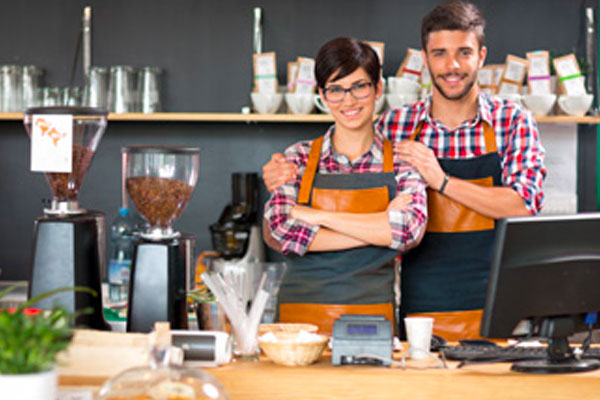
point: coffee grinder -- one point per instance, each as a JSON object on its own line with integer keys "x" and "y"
{"x": 160, "y": 181}
{"x": 68, "y": 248}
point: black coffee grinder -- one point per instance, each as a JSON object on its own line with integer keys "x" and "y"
{"x": 160, "y": 181}
{"x": 68, "y": 247}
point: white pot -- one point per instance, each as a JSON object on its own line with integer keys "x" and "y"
{"x": 38, "y": 386}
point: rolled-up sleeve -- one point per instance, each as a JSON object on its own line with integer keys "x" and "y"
{"x": 293, "y": 235}
{"x": 408, "y": 225}
{"x": 523, "y": 162}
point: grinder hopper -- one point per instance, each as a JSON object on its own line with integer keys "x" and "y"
{"x": 69, "y": 243}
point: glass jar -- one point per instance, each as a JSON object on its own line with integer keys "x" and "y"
{"x": 163, "y": 379}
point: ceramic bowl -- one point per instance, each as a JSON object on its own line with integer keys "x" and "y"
{"x": 266, "y": 103}
{"x": 576, "y": 105}
{"x": 300, "y": 103}
{"x": 539, "y": 104}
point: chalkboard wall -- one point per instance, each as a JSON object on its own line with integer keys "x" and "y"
{"x": 205, "y": 49}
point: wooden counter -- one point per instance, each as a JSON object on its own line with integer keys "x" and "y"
{"x": 264, "y": 380}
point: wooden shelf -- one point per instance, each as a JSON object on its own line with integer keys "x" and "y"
{"x": 283, "y": 118}
{"x": 567, "y": 119}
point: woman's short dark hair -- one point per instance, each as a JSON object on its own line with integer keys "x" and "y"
{"x": 342, "y": 56}
{"x": 455, "y": 15}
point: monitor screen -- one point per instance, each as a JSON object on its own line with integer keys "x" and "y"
{"x": 544, "y": 268}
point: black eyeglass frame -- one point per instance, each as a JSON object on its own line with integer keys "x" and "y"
{"x": 348, "y": 90}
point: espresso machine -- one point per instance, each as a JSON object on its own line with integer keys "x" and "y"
{"x": 160, "y": 181}
{"x": 68, "y": 248}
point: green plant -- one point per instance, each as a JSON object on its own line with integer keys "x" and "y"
{"x": 29, "y": 338}
{"x": 201, "y": 295}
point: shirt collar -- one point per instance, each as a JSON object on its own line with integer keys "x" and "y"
{"x": 376, "y": 148}
{"x": 484, "y": 111}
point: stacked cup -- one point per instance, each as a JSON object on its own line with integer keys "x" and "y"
{"x": 402, "y": 91}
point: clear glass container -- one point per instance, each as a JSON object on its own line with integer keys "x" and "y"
{"x": 163, "y": 379}
{"x": 51, "y": 97}
{"x": 122, "y": 89}
{"x": 88, "y": 127}
{"x": 149, "y": 87}
{"x": 31, "y": 82}
{"x": 10, "y": 88}
{"x": 96, "y": 88}
{"x": 160, "y": 181}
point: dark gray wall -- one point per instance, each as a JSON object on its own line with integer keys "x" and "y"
{"x": 205, "y": 49}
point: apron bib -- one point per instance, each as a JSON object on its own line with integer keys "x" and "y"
{"x": 445, "y": 277}
{"x": 321, "y": 286}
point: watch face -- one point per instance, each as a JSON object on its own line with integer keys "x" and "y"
{"x": 356, "y": 329}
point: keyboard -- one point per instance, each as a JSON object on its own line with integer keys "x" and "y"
{"x": 497, "y": 353}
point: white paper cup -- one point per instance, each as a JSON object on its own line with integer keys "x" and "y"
{"x": 418, "y": 334}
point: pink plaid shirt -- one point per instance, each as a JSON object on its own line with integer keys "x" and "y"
{"x": 295, "y": 236}
{"x": 517, "y": 139}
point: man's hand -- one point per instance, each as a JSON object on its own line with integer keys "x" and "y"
{"x": 277, "y": 172}
{"x": 422, "y": 158}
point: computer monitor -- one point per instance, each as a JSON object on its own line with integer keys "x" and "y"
{"x": 544, "y": 282}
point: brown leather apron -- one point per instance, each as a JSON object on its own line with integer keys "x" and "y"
{"x": 321, "y": 286}
{"x": 445, "y": 277}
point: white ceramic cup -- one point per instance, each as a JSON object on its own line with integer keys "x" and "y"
{"x": 576, "y": 105}
{"x": 418, "y": 335}
{"x": 266, "y": 103}
{"x": 321, "y": 104}
{"x": 539, "y": 104}
{"x": 300, "y": 103}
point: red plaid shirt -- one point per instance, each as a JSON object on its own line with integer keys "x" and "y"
{"x": 517, "y": 139}
{"x": 295, "y": 236}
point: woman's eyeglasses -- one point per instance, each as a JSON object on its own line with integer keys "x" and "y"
{"x": 335, "y": 94}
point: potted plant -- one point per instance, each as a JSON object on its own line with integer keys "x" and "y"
{"x": 30, "y": 339}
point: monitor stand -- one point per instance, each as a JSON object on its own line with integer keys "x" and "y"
{"x": 560, "y": 355}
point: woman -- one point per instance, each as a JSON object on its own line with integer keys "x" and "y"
{"x": 353, "y": 206}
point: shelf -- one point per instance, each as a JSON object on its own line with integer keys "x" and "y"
{"x": 567, "y": 119}
{"x": 284, "y": 118}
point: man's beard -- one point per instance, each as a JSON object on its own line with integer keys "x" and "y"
{"x": 461, "y": 94}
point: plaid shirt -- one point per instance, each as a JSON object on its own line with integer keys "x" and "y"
{"x": 295, "y": 236}
{"x": 517, "y": 139}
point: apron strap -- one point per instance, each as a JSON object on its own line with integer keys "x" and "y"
{"x": 415, "y": 134}
{"x": 310, "y": 171}
{"x": 313, "y": 163}
{"x": 388, "y": 156}
{"x": 490, "y": 138}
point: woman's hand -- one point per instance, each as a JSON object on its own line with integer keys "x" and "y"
{"x": 277, "y": 172}
{"x": 400, "y": 203}
{"x": 306, "y": 214}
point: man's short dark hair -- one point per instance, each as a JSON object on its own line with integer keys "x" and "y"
{"x": 455, "y": 15}
{"x": 344, "y": 55}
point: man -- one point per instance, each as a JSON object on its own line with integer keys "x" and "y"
{"x": 482, "y": 160}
